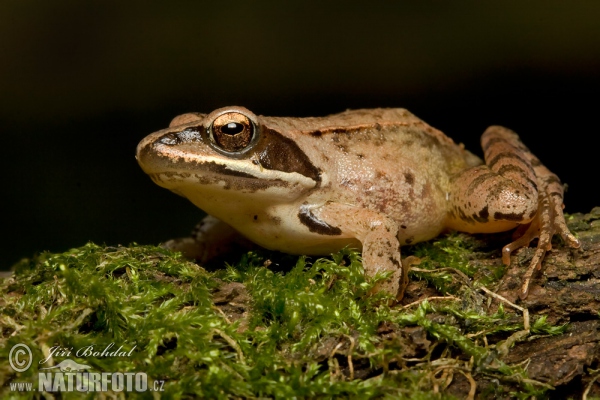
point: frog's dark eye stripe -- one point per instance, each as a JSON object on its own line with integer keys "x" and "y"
{"x": 279, "y": 153}
{"x": 232, "y": 132}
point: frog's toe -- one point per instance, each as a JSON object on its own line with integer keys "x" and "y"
{"x": 561, "y": 228}
{"x": 548, "y": 220}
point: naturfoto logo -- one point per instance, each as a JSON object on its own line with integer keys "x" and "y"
{"x": 69, "y": 375}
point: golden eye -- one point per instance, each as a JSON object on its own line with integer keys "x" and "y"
{"x": 232, "y": 131}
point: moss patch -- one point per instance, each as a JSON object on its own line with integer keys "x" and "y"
{"x": 311, "y": 330}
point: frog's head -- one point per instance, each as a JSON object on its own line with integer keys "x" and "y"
{"x": 227, "y": 154}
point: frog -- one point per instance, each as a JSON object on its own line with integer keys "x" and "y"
{"x": 370, "y": 179}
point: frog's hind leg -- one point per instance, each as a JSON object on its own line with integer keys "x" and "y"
{"x": 548, "y": 221}
{"x": 500, "y": 195}
{"x": 512, "y": 189}
{"x": 549, "y": 218}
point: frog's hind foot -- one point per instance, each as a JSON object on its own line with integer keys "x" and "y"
{"x": 548, "y": 220}
{"x": 211, "y": 241}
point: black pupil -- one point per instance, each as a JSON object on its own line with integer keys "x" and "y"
{"x": 232, "y": 128}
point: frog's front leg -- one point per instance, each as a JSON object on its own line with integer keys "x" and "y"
{"x": 378, "y": 235}
{"x": 512, "y": 189}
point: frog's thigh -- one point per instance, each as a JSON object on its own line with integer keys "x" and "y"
{"x": 379, "y": 237}
{"x": 499, "y": 195}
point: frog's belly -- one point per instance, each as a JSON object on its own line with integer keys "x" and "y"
{"x": 295, "y": 238}
{"x": 276, "y": 227}
{"x": 285, "y": 233}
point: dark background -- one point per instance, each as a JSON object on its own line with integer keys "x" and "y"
{"x": 82, "y": 82}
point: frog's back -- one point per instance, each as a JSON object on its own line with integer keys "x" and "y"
{"x": 385, "y": 160}
{"x": 351, "y": 120}
{"x": 372, "y": 134}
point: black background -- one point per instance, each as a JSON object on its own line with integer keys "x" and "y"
{"x": 82, "y": 82}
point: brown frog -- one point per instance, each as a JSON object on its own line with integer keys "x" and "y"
{"x": 370, "y": 179}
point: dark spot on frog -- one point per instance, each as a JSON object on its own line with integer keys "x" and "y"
{"x": 380, "y": 254}
{"x": 378, "y": 126}
{"x": 360, "y": 155}
{"x": 508, "y": 216}
{"x": 483, "y": 215}
{"x": 394, "y": 261}
{"x": 276, "y": 220}
{"x": 316, "y": 225}
{"x": 532, "y": 214}
{"x": 403, "y": 226}
{"x": 255, "y": 217}
{"x": 410, "y": 178}
{"x": 316, "y": 133}
{"x": 409, "y": 240}
{"x": 405, "y": 205}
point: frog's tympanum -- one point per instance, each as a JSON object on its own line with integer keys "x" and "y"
{"x": 369, "y": 179}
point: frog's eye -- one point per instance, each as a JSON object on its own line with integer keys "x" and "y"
{"x": 232, "y": 132}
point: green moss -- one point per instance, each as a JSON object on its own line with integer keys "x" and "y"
{"x": 311, "y": 332}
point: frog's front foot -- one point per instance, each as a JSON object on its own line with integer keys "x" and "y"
{"x": 548, "y": 220}
{"x": 378, "y": 235}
